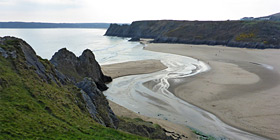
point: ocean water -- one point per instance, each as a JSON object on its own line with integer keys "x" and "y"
{"x": 46, "y": 42}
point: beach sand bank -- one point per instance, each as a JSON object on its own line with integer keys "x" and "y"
{"x": 242, "y": 88}
{"x": 132, "y": 68}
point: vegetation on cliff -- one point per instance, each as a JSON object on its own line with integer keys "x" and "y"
{"x": 143, "y": 128}
{"x": 245, "y": 34}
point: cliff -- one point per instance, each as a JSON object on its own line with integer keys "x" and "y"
{"x": 244, "y": 34}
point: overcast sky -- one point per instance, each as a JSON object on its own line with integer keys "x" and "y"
{"x": 126, "y": 11}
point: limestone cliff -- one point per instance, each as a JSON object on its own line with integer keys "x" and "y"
{"x": 244, "y": 34}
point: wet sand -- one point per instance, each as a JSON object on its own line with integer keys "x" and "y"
{"x": 242, "y": 87}
{"x": 143, "y": 67}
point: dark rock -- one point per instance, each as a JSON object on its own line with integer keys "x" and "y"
{"x": 134, "y": 39}
{"x": 77, "y": 68}
{"x": 62, "y": 78}
{"x": 3, "y": 53}
{"x": 32, "y": 59}
{"x": 91, "y": 108}
{"x": 97, "y": 104}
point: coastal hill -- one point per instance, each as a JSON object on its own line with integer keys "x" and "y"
{"x": 244, "y": 34}
{"x": 38, "y": 101}
{"x": 52, "y": 25}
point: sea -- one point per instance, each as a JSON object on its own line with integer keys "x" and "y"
{"x": 46, "y": 42}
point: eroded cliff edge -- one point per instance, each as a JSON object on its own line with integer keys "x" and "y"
{"x": 243, "y": 34}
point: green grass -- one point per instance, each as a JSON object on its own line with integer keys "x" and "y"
{"x": 31, "y": 108}
{"x": 142, "y": 128}
{"x": 245, "y": 36}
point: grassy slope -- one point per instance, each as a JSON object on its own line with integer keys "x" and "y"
{"x": 142, "y": 128}
{"x": 31, "y": 108}
{"x": 266, "y": 32}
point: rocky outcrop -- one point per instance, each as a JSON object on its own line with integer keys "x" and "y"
{"x": 97, "y": 103}
{"x": 86, "y": 73}
{"x": 77, "y": 68}
{"x": 244, "y": 34}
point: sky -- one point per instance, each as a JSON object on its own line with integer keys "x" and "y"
{"x": 126, "y": 11}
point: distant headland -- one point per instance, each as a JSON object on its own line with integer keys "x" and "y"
{"x": 52, "y": 25}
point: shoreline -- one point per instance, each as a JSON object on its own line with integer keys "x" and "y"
{"x": 222, "y": 100}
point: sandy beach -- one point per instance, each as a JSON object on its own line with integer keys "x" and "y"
{"x": 132, "y": 68}
{"x": 143, "y": 67}
{"x": 242, "y": 87}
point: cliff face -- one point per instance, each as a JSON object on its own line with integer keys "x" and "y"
{"x": 38, "y": 101}
{"x": 77, "y": 68}
{"x": 143, "y": 29}
{"x": 245, "y": 34}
